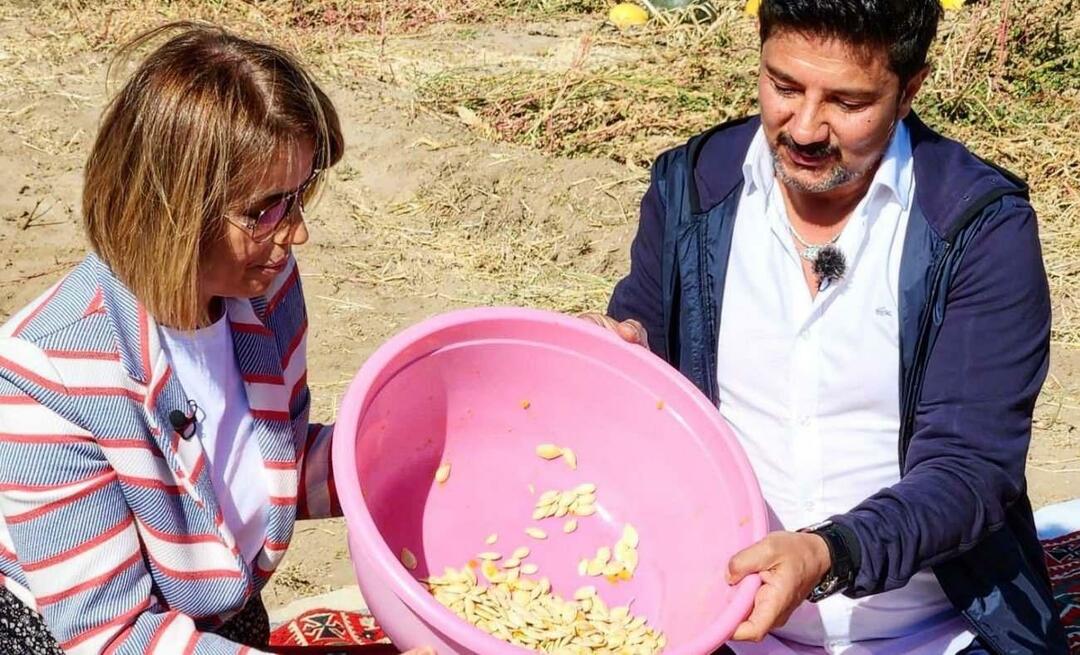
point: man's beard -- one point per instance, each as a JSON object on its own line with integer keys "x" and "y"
{"x": 837, "y": 177}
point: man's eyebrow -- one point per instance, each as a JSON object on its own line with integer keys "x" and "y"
{"x": 863, "y": 94}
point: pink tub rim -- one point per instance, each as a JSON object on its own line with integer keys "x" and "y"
{"x": 361, "y": 526}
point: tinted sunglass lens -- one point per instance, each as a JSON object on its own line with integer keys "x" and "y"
{"x": 270, "y": 218}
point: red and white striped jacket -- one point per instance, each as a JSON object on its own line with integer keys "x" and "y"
{"x": 111, "y": 528}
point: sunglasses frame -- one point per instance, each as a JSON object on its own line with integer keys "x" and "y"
{"x": 291, "y": 199}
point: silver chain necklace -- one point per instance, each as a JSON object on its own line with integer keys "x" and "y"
{"x": 827, "y": 260}
{"x": 811, "y": 251}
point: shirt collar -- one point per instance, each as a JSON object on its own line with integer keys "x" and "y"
{"x": 894, "y": 175}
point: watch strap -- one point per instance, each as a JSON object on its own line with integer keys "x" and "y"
{"x": 844, "y": 555}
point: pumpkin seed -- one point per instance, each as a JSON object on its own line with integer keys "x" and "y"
{"x": 530, "y": 569}
{"x": 536, "y": 533}
{"x": 570, "y": 458}
{"x": 569, "y": 526}
{"x": 491, "y": 539}
{"x": 442, "y": 474}
{"x": 549, "y": 451}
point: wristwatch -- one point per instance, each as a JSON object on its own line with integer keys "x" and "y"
{"x": 843, "y": 552}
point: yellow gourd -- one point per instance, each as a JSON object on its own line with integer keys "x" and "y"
{"x": 627, "y": 14}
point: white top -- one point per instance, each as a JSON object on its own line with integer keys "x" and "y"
{"x": 204, "y": 362}
{"x": 811, "y": 387}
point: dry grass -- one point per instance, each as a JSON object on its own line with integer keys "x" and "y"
{"x": 1006, "y": 82}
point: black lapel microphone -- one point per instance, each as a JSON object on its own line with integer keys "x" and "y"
{"x": 184, "y": 424}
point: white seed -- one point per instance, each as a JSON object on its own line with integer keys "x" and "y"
{"x": 570, "y": 458}
{"x": 595, "y": 568}
{"x": 603, "y": 554}
{"x": 612, "y": 569}
{"x": 536, "y": 533}
{"x": 408, "y": 559}
{"x": 521, "y": 553}
{"x": 583, "y": 567}
{"x": 630, "y": 535}
{"x": 491, "y": 539}
{"x": 530, "y": 569}
{"x": 584, "y": 489}
{"x": 442, "y": 474}
{"x": 585, "y": 592}
{"x": 490, "y": 556}
{"x": 569, "y": 526}
{"x": 512, "y": 563}
{"x": 585, "y": 510}
{"x": 549, "y": 451}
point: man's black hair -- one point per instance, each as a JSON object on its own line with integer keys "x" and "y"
{"x": 904, "y": 28}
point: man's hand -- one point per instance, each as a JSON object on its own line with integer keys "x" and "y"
{"x": 790, "y": 564}
{"x": 631, "y": 331}
{"x": 420, "y": 651}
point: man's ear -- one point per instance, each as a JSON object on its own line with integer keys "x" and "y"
{"x": 910, "y": 90}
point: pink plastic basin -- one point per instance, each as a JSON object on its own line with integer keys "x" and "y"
{"x": 482, "y": 388}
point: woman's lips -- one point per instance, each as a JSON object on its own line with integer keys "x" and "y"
{"x": 277, "y": 266}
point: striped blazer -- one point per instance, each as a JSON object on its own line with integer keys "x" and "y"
{"x": 111, "y": 528}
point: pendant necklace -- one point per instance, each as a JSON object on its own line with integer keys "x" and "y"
{"x": 828, "y": 260}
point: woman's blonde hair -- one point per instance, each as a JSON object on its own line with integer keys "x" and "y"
{"x": 184, "y": 142}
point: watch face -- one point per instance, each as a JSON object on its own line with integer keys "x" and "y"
{"x": 824, "y": 589}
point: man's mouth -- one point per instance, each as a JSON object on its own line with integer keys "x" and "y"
{"x": 808, "y": 159}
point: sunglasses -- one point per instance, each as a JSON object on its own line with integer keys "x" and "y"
{"x": 265, "y": 224}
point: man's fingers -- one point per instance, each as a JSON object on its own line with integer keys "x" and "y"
{"x": 630, "y": 330}
{"x": 634, "y": 332}
{"x": 599, "y": 319}
{"x": 761, "y": 619}
{"x": 754, "y": 559}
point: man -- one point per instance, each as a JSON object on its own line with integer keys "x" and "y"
{"x": 866, "y": 302}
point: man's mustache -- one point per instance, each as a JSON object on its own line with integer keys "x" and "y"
{"x": 811, "y": 151}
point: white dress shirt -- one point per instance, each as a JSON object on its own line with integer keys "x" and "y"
{"x": 811, "y": 387}
{"x": 204, "y": 361}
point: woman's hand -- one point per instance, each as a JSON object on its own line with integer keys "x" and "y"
{"x": 790, "y": 564}
{"x": 631, "y": 331}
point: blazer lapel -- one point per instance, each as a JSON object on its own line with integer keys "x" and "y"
{"x": 260, "y": 363}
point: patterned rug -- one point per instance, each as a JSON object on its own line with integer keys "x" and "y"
{"x": 1063, "y": 560}
{"x": 332, "y": 632}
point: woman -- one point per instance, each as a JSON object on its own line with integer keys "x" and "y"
{"x": 155, "y": 448}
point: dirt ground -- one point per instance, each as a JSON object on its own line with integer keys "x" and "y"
{"x": 424, "y": 214}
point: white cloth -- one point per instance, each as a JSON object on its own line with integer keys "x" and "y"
{"x": 204, "y": 361}
{"x": 810, "y": 386}
{"x": 1058, "y": 520}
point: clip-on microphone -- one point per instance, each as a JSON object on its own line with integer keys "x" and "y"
{"x": 184, "y": 424}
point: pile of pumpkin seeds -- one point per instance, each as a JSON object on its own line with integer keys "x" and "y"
{"x": 524, "y": 611}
